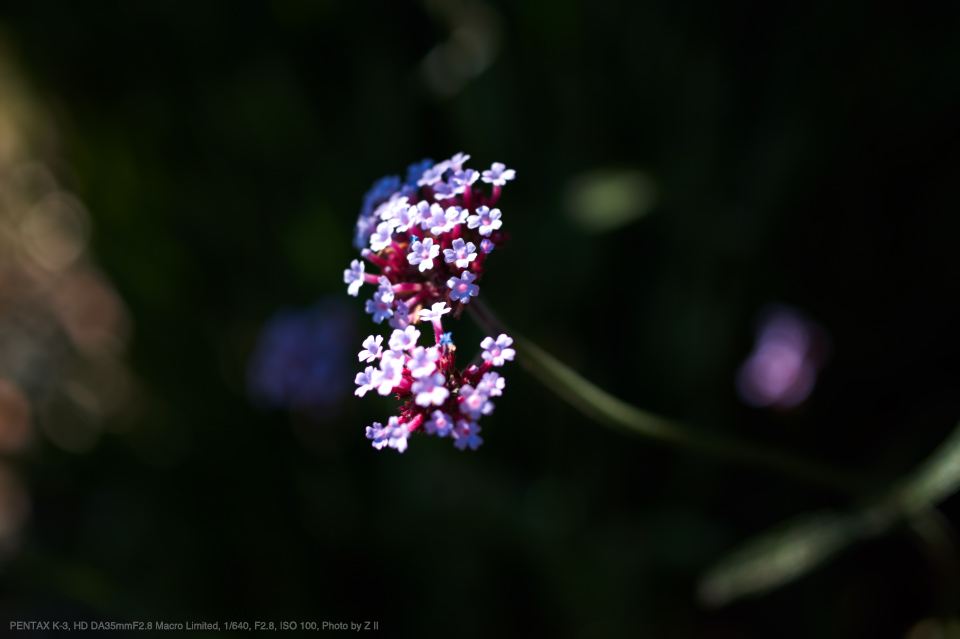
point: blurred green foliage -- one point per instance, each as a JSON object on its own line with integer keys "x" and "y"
{"x": 801, "y": 153}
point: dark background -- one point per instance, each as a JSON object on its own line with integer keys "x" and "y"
{"x": 803, "y": 153}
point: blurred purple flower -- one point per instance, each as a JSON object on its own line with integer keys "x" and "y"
{"x": 789, "y": 351}
{"x": 303, "y": 359}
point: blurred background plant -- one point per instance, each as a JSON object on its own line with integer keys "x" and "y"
{"x": 63, "y": 328}
{"x": 680, "y": 168}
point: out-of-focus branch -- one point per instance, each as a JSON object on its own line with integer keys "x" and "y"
{"x": 606, "y": 409}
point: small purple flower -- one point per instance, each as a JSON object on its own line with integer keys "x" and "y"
{"x": 379, "y": 308}
{"x": 430, "y": 389}
{"x": 782, "y": 369}
{"x": 486, "y": 245}
{"x": 456, "y": 162}
{"x": 498, "y": 174}
{"x": 475, "y": 402}
{"x": 440, "y": 221}
{"x": 401, "y": 316}
{"x": 446, "y": 339}
{"x": 435, "y": 312}
{"x": 422, "y": 253}
{"x": 423, "y": 361}
{"x": 382, "y": 238}
{"x": 390, "y": 373}
{"x": 404, "y": 219}
{"x": 354, "y": 277}
{"x": 487, "y": 220}
{"x": 492, "y": 384}
{"x": 396, "y": 434}
{"x": 462, "y": 253}
{"x": 433, "y": 175}
{"x": 389, "y": 209}
{"x": 433, "y": 216}
{"x": 445, "y": 191}
{"x": 365, "y": 381}
{"x": 439, "y": 425}
{"x": 461, "y": 288}
{"x": 496, "y": 352}
{"x": 462, "y": 179}
{"x": 377, "y": 434}
{"x": 467, "y": 434}
{"x": 371, "y": 348}
{"x": 404, "y": 340}
{"x": 385, "y": 289}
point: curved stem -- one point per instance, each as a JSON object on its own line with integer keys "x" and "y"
{"x": 600, "y": 406}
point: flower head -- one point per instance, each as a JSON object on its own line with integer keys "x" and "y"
{"x": 401, "y": 229}
{"x": 442, "y": 206}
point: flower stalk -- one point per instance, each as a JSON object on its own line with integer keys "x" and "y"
{"x": 610, "y": 411}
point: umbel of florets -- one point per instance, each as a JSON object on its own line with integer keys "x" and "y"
{"x": 437, "y": 398}
{"x": 429, "y": 236}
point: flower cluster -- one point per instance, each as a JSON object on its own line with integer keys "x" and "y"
{"x": 438, "y": 399}
{"x": 429, "y": 235}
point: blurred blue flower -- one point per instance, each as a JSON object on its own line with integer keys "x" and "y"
{"x": 303, "y": 360}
